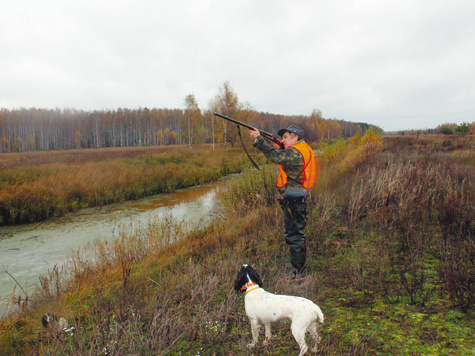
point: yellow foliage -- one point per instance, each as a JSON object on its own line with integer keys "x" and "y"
{"x": 371, "y": 139}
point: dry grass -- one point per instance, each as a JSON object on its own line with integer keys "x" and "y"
{"x": 37, "y": 186}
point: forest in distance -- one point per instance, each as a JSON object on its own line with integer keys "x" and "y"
{"x": 36, "y": 129}
{"x": 40, "y": 129}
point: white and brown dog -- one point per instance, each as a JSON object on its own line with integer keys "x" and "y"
{"x": 265, "y": 308}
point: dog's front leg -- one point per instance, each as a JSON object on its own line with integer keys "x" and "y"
{"x": 254, "y": 331}
{"x": 268, "y": 334}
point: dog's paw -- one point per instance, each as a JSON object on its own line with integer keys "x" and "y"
{"x": 266, "y": 342}
{"x": 251, "y": 345}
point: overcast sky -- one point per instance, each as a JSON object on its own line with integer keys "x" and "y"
{"x": 405, "y": 64}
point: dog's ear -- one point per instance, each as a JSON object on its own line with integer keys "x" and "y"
{"x": 240, "y": 280}
{"x": 48, "y": 318}
{"x": 255, "y": 276}
{"x": 45, "y": 320}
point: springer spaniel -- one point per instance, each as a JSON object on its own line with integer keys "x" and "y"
{"x": 59, "y": 325}
{"x": 265, "y": 308}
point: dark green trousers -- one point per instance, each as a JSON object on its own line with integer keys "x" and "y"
{"x": 295, "y": 220}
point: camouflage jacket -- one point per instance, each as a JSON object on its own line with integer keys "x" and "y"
{"x": 291, "y": 160}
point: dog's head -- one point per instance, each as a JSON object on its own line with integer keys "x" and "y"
{"x": 48, "y": 319}
{"x": 247, "y": 274}
{"x": 56, "y": 324}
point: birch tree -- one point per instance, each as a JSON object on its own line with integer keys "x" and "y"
{"x": 192, "y": 116}
{"x": 227, "y": 104}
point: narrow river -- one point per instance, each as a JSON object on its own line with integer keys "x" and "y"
{"x": 28, "y": 251}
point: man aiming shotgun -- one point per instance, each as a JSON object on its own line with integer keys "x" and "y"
{"x": 298, "y": 171}
{"x": 267, "y": 135}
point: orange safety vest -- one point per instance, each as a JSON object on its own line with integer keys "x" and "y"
{"x": 309, "y": 167}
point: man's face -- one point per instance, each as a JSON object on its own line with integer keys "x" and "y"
{"x": 289, "y": 139}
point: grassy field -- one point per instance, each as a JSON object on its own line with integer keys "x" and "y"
{"x": 40, "y": 185}
{"x": 391, "y": 240}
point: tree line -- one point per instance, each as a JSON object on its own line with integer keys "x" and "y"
{"x": 36, "y": 129}
{"x": 462, "y": 129}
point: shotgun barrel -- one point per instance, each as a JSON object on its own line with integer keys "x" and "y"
{"x": 266, "y": 134}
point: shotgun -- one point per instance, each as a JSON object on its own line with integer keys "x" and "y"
{"x": 265, "y": 134}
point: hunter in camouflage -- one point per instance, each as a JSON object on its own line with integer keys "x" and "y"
{"x": 298, "y": 169}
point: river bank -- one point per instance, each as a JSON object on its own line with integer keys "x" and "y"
{"x": 28, "y": 251}
{"x": 38, "y": 186}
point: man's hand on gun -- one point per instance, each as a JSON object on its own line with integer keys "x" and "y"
{"x": 254, "y": 133}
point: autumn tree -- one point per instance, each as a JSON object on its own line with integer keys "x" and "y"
{"x": 31, "y": 143}
{"x": 173, "y": 137}
{"x": 5, "y": 144}
{"x": 334, "y": 129}
{"x": 315, "y": 128}
{"x": 166, "y": 136}
{"x": 17, "y": 144}
{"x": 472, "y": 128}
{"x": 78, "y": 138}
{"x": 226, "y": 103}
{"x": 192, "y": 117}
{"x": 159, "y": 137}
{"x": 202, "y": 134}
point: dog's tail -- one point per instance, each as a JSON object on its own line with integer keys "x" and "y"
{"x": 318, "y": 313}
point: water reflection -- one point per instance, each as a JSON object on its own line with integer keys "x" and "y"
{"x": 204, "y": 193}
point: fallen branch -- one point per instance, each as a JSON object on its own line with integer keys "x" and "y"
{"x": 19, "y": 285}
